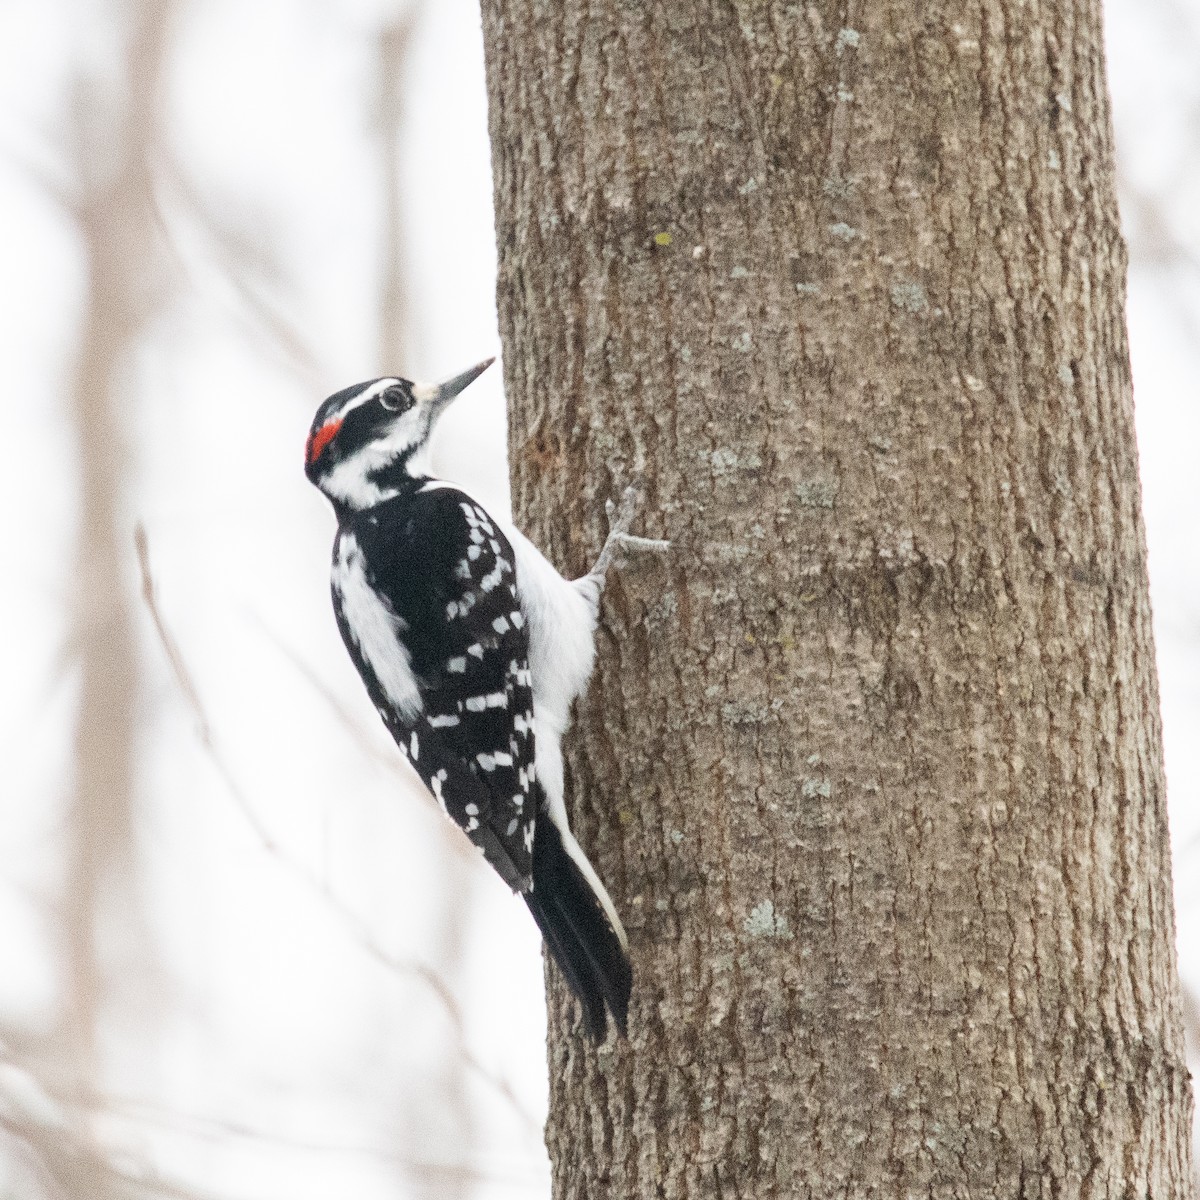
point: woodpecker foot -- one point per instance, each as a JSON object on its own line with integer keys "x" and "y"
{"x": 620, "y": 540}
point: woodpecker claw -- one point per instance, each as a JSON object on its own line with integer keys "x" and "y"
{"x": 619, "y": 538}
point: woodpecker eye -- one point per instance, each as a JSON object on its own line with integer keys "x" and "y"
{"x": 395, "y": 399}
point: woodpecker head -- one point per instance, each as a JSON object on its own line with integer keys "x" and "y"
{"x": 366, "y": 439}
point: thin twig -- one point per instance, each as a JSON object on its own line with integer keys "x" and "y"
{"x": 214, "y": 1128}
{"x": 72, "y": 1164}
{"x": 393, "y": 763}
{"x": 350, "y": 920}
{"x": 41, "y": 1112}
{"x": 245, "y": 263}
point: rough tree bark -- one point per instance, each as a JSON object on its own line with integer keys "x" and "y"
{"x": 872, "y": 760}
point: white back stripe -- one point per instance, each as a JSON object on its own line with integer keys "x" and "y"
{"x": 375, "y": 629}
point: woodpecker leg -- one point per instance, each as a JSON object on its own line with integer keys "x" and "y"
{"x": 619, "y": 538}
{"x": 619, "y": 520}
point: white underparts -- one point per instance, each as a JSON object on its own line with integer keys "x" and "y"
{"x": 562, "y": 623}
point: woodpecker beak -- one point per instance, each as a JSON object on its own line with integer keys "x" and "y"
{"x": 437, "y": 396}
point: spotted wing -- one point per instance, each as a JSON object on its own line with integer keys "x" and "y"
{"x": 449, "y": 575}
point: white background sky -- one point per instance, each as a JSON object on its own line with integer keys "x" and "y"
{"x": 252, "y": 1045}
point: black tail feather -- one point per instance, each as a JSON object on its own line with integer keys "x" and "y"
{"x": 579, "y": 936}
{"x": 581, "y": 985}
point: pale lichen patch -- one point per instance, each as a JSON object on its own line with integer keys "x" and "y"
{"x": 723, "y": 461}
{"x": 816, "y": 787}
{"x": 764, "y": 921}
{"x": 840, "y": 187}
{"x": 663, "y": 612}
{"x": 847, "y": 39}
{"x": 910, "y": 297}
{"x": 816, "y": 493}
{"x": 745, "y": 712}
{"x": 966, "y": 43}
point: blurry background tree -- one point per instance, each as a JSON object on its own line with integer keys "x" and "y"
{"x": 877, "y": 762}
{"x": 112, "y": 196}
{"x": 240, "y": 958}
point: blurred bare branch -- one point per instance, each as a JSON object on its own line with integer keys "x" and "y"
{"x": 1152, "y": 236}
{"x": 246, "y": 261}
{"x": 204, "y": 734}
{"x": 395, "y": 316}
{"x": 49, "y": 177}
{"x": 216, "y": 1129}
{"x": 115, "y": 135}
{"x": 371, "y": 747}
{"x": 1155, "y": 242}
{"x": 350, "y": 920}
{"x": 45, "y": 1118}
{"x": 61, "y": 1152}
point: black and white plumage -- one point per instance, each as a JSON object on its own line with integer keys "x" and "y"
{"x": 472, "y": 648}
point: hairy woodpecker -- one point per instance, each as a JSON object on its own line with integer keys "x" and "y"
{"x": 472, "y": 648}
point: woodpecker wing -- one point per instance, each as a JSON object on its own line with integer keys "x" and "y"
{"x": 424, "y": 589}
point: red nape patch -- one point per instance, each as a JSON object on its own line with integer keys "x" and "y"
{"x": 319, "y": 440}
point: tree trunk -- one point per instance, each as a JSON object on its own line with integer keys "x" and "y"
{"x": 872, "y": 759}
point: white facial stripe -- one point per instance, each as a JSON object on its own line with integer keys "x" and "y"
{"x": 350, "y": 480}
{"x": 369, "y": 393}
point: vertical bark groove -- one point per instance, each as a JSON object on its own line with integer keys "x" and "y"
{"x": 872, "y": 759}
